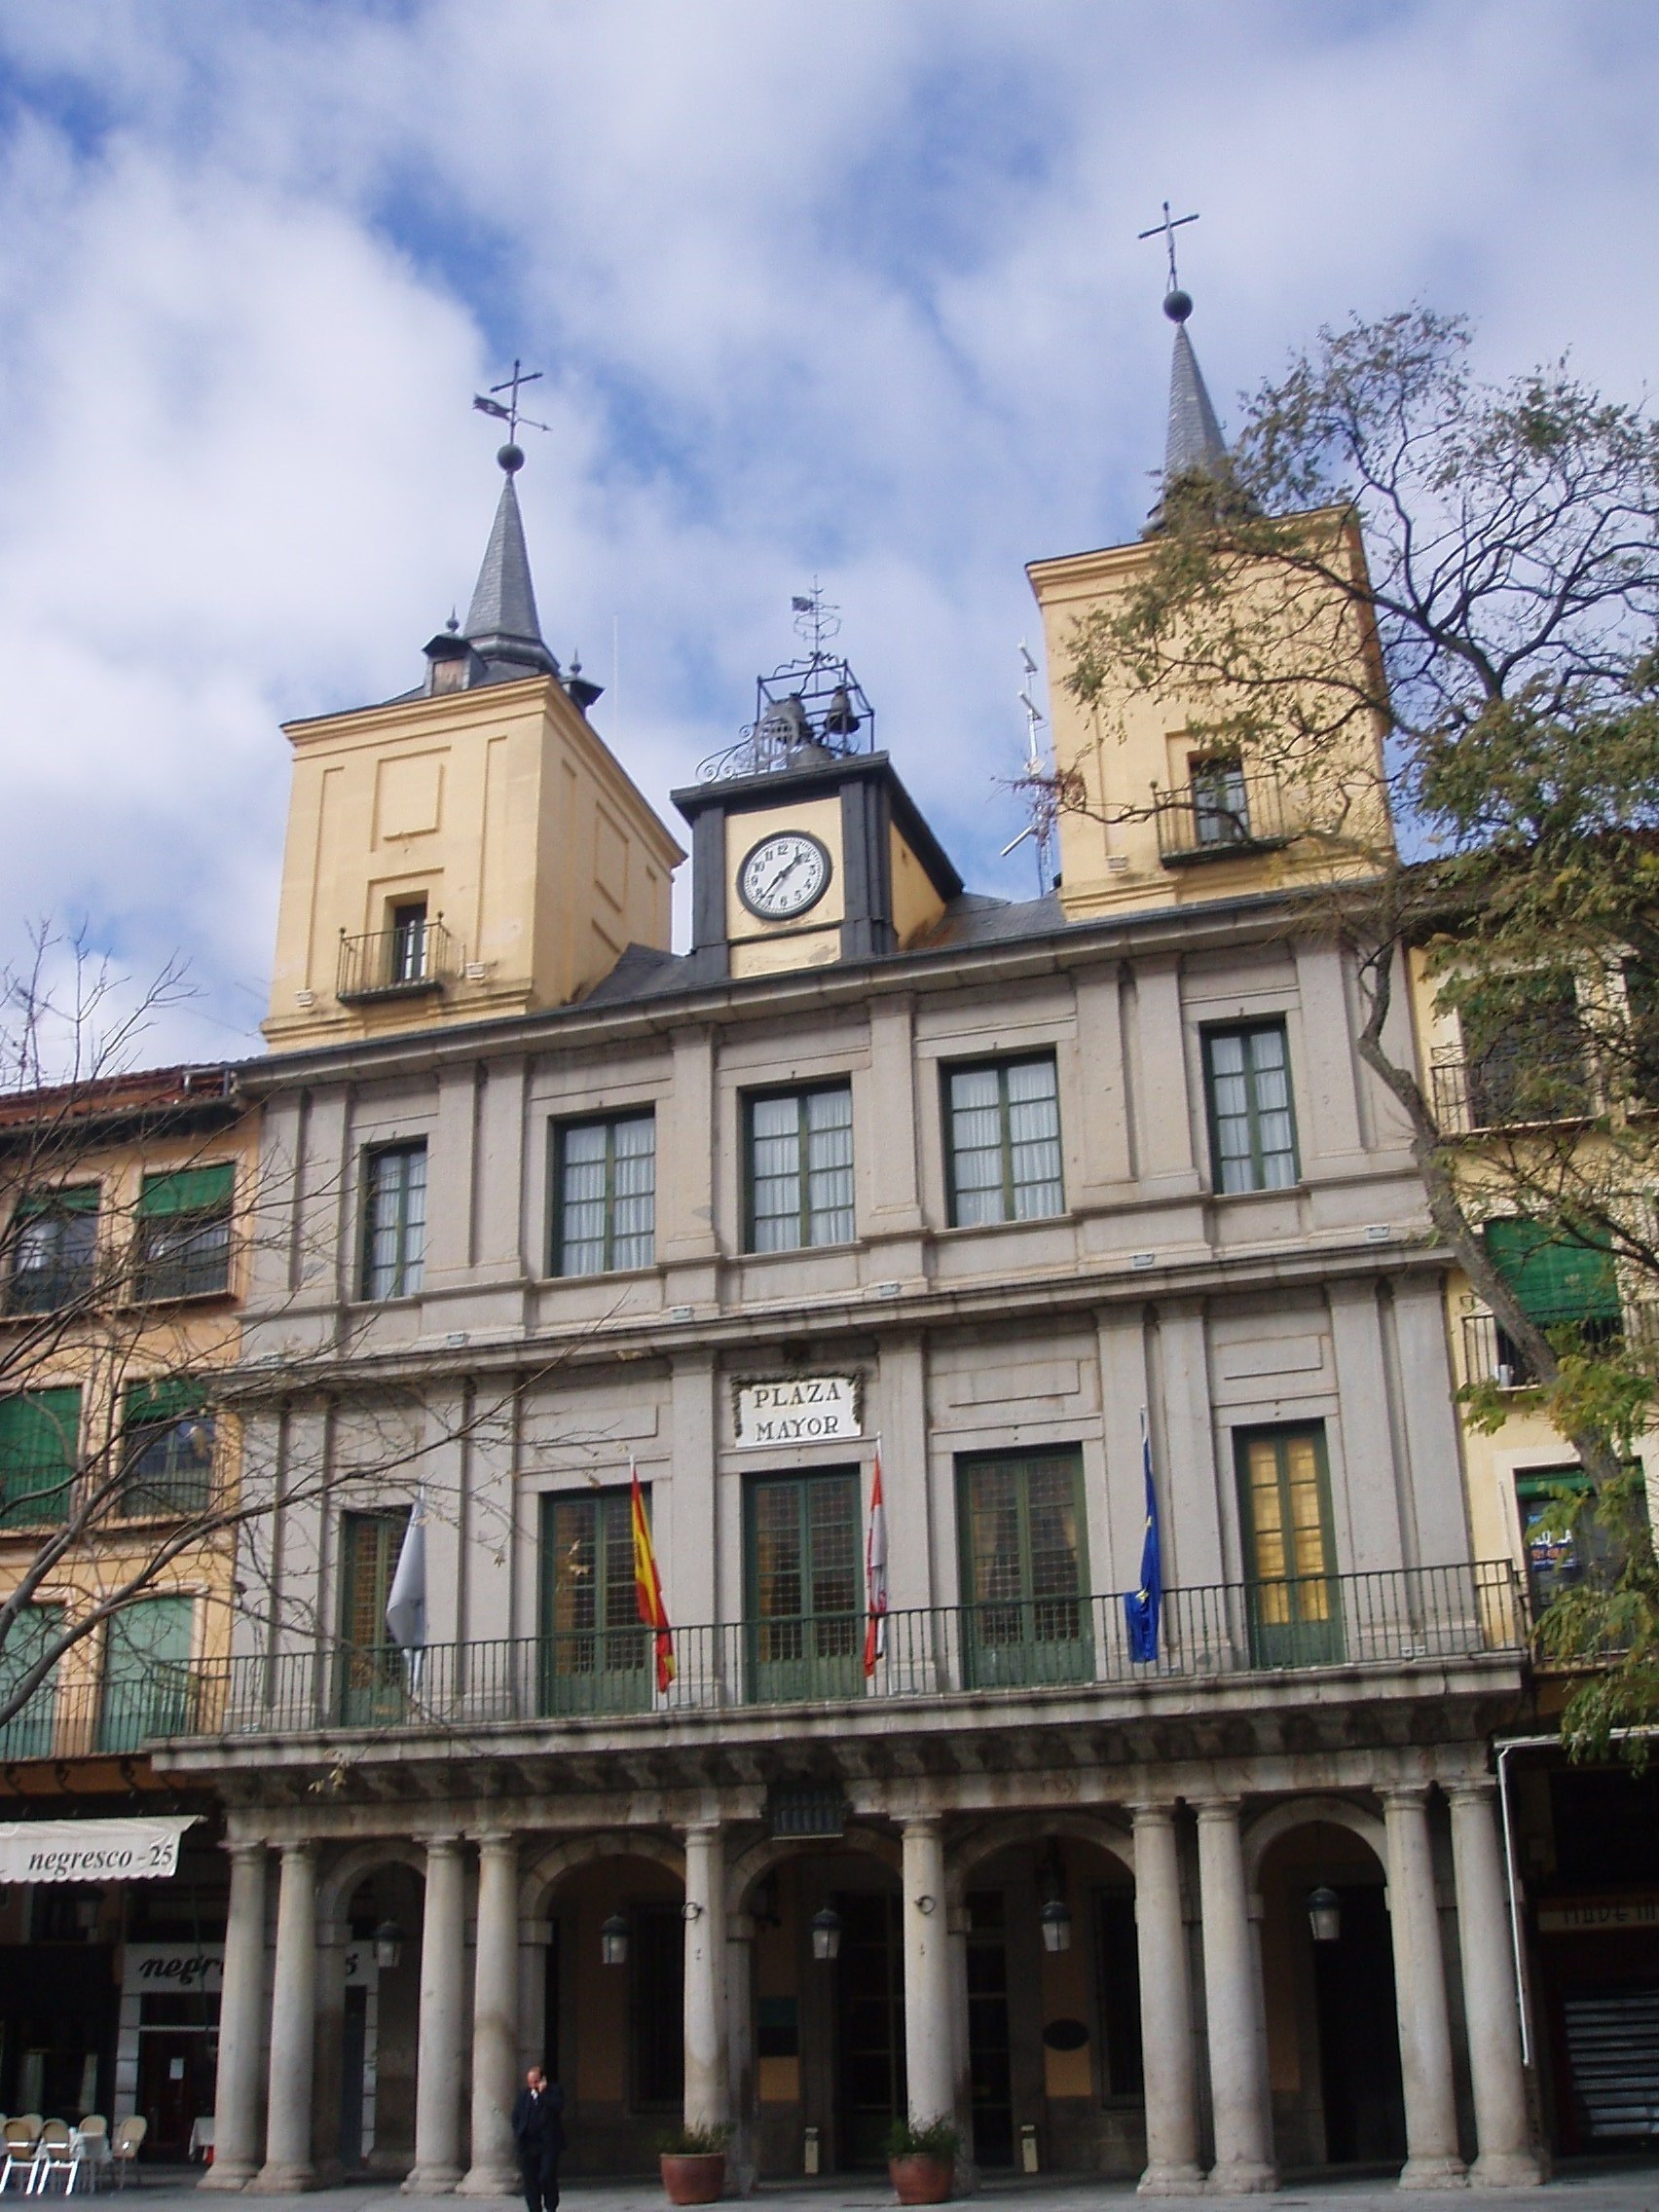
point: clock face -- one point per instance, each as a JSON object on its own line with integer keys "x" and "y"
{"x": 784, "y": 875}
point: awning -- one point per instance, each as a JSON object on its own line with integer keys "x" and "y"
{"x": 91, "y": 1851}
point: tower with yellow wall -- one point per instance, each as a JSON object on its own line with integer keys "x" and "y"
{"x": 470, "y": 849}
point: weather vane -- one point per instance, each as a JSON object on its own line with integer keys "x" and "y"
{"x": 1167, "y": 232}
{"x": 817, "y": 621}
{"x": 509, "y": 414}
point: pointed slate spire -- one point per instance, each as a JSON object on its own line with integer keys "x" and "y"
{"x": 1194, "y": 446}
{"x": 501, "y": 623}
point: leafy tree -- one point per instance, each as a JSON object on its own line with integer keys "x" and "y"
{"x": 1409, "y": 584}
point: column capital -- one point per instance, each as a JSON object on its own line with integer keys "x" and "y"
{"x": 441, "y": 1846}
{"x": 701, "y": 1829}
{"x": 497, "y": 1840}
{"x": 244, "y": 1850}
{"x": 1152, "y": 1812}
{"x": 921, "y": 1823}
{"x": 1471, "y": 1790}
{"x": 298, "y": 1848}
{"x": 1212, "y": 1810}
{"x": 1405, "y": 1795}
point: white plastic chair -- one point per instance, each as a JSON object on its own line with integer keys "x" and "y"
{"x": 23, "y": 2138}
{"x": 124, "y": 2146}
{"x": 92, "y": 2142}
{"x": 54, "y": 2153}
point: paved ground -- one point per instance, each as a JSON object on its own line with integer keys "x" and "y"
{"x": 1603, "y": 2187}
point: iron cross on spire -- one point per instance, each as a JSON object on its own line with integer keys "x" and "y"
{"x": 509, "y": 414}
{"x": 1167, "y": 232}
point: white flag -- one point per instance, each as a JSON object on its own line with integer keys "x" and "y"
{"x": 406, "y": 1606}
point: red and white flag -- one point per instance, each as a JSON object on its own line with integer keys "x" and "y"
{"x": 876, "y": 1574}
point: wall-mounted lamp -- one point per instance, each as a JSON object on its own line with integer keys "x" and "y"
{"x": 691, "y": 1910}
{"x": 1324, "y": 1914}
{"x": 1055, "y": 1918}
{"x": 826, "y": 1934}
{"x": 388, "y": 1939}
{"x": 613, "y": 1941}
{"x": 927, "y": 1904}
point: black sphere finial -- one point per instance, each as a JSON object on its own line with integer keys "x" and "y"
{"x": 1177, "y": 305}
{"x": 512, "y": 458}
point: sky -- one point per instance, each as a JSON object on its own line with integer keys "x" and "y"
{"x": 851, "y": 293}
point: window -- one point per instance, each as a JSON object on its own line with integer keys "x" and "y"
{"x": 55, "y": 1236}
{"x": 40, "y": 1435}
{"x": 1247, "y": 1085}
{"x": 147, "y": 1676}
{"x": 595, "y": 1650}
{"x": 394, "y": 1221}
{"x": 1560, "y": 1282}
{"x": 806, "y": 1585}
{"x": 184, "y": 1232}
{"x": 167, "y": 1449}
{"x": 1523, "y": 1045}
{"x": 371, "y": 1666}
{"x": 408, "y": 947}
{"x": 801, "y": 1169}
{"x": 1289, "y": 1550}
{"x": 1558, "y": 1562}
{"x": 1642, "y": 1003}
{"x": 1004, "y": 1142}
{"x": 1220, "y": 812}
{"x": 28, "y": 1734}
{"x": 605, "y": 1195}
{"x": 1024, "y": 1568}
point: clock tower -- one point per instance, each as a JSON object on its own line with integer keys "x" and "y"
{"x": 806, "y": 849}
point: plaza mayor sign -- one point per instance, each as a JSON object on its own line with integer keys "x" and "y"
{"x": 798, "y": 1409}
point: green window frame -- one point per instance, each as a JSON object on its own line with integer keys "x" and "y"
{"x": 1293, "y": 1597}
{"x": 805, "y": 1577}
{"x": 798, "y": 1169}
{"x": 55, "y": 1244}
{"x": 596, "y": 1651}
{"x": 1559, "y": 1277}
{"x": 371, "y": 1671}
{"x": 184, "y": 1231}
{"x": 31, "y": 1731}
{"x": 1024, "y": 1566}
{"x": 1251, "y": 1108}
{"x": 147, "y": 1678}
{"x": 40, "y": 1441}
{"x": 167, "y": 1443}
{"x": 604, "y": 1195}
{"x": 394, "y": 1221}
{"x": 1586, "y": 1554}
{"x": 1001, "y": 1121}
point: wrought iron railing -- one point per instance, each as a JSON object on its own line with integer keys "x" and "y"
{"x": 401, "y": 962}
{"x": 1507, "y": 1089}
{"x": 1492, "y": 1355}
{"x": 1396, "y": 1617}
{"x": 88, "y": 1716}
{"x": 1221, "y": 813}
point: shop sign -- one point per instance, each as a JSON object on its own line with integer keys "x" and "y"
{"x": 91, "y": 1851}
{"x": 798, "y": 1409}
{"x": 154, "y": 1970}
{"x": 1588, "y": 1916}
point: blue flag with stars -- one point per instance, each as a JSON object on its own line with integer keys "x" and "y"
{"x": 1142, "y": 1606}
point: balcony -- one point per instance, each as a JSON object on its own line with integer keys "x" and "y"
{"x": 1222, "y": 814}
{"x": 1507, "y": 1088}
{"x": 412, "y": 959}
{"x": 970, "y": 1653}
{"x": 90, "y": 1718}
{"x": 1491, "y": 1355}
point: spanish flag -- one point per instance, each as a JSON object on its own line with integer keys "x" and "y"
{"x": 647, "y": 1587}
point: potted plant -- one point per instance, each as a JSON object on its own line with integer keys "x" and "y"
{"x": 921, "y": 2158}
{"x": 694, "y": 2164}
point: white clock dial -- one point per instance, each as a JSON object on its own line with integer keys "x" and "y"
{"x": 784, "y": 875}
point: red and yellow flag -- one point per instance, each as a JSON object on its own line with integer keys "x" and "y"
{"x": 647, "y": 1587}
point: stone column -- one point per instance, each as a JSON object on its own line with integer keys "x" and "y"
{"x": 929, "y": 2044}
{"x": 242, "y": 2014}
{"x": 493, "y": 2171}
{"x": 440, "y": 2051}
{"x": 1420, "y": 1998}
{"x": 707, "y": 2098}
{"x": 740, "y": 2050}
{"x": 1506, "y": 2159}
{"x": 1233, "y": 2010}
{"x": 293, "y": 2029}
{"x": 1167, "y": 2009}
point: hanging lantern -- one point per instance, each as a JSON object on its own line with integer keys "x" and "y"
{"x": 1324, "y": 1914}
{"x": 1057, "y": 1922}
{"x": 826, "y": 1934}
{"x": 387, "y": 1940}
{"x": 613, "y": 1941}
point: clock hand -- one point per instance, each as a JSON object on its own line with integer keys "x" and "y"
{"x": 789, "y": 865}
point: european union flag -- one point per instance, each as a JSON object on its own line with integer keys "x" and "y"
{"x": 1142, "y": 1606}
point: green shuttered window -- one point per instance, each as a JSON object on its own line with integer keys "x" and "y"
{"x": 1558, "y": 1278}
{"x": 184, "y": 1231}
{"x": 39, "y": 1438}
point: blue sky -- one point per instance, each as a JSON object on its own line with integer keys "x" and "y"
{"x": 853, "y": 292}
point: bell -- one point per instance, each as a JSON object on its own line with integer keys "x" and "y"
{"x": 786, "y": 725}
{"x": 840, "y": 720}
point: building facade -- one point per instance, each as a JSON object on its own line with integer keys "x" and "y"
{"x": 879, "y": 1174}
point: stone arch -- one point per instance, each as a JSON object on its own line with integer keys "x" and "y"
{"x": 539, "y": 1879}
{"x": 758, "y": 1860}
{"x": 983, "y": 1843}
{"x": 1305, "y": 1812}
{"x": 334, "y": 1890}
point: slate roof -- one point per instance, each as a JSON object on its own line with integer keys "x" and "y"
{"x": 501, "y": 623}
{"x": 1194, "y": 445}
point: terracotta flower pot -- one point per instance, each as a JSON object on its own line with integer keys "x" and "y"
{"x": 919, "y": 2178}
{"x": 693, "y": 2177}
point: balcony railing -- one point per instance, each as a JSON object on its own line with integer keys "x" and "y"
{"x": 84, "y": 1718}
{"x": 1492, "y": 1355}
{"x": 1220, "y": 815}
{"x": 405, "y": 961}
{"x": 1396, "y": 1617}
{"x": 1504, "y": 1089}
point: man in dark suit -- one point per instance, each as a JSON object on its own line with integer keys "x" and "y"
{"x": 539, "y": 2131}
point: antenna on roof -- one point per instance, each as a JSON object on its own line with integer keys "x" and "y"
{"x": 1036, "y": 783}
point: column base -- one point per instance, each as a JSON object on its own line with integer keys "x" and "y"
{"x": 485, "y": 2180}
{"x": 1434, "y": 2173}
{"x": 1505, "y": 2169}
{"x": 1241, "y": 2177}
{"x": 1171, "y": 2181}
{"x": 282, "y": 2181}
{"x": 222, "y": 2174}
{"x": 435, "y": 2181}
